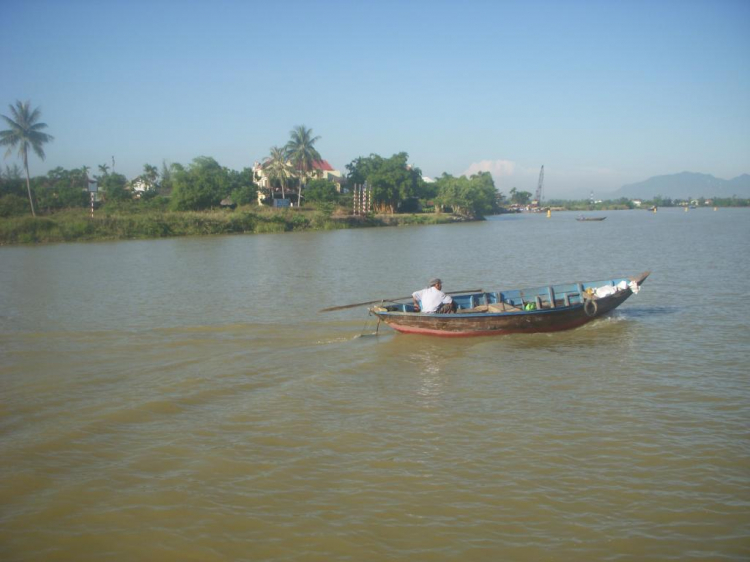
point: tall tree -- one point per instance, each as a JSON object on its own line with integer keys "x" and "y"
{"x": 150, "y": 177}
{"x": 392, "y": 181}
{"x": 277, "y": 168}
{"x": 301, "y": 152}
{"x": 472, "y": 197}
{"x": 201, "y": 186}
{"x": 25, "y": 132}
{"x": 151, "y": 173}
{"x": 85, "y": 177}
{"x": 113, "y": 186}
{"x": 520, "y": 197}
{"x": 166, "y": 176}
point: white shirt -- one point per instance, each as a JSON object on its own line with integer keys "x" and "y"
{"x": 431, "y": 298}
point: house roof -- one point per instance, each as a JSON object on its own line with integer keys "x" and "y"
{"x": 322, "y": 165}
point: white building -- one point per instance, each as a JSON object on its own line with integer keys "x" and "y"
{"x": 322, "y": 170}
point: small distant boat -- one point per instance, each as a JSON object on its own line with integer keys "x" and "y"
{"x": 589, "y": 219}
{"x": 541, "y": 309}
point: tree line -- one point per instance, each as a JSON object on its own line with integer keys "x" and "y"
{"x": 395, "y": 186}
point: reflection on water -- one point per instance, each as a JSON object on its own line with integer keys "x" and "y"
{"x": 432, "y": 377}
{"x": 211, "y": 413}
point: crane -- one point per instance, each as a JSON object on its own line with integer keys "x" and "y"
{"x": 538, "y": 196}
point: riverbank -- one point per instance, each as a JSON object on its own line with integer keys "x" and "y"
{"x": 79, "y": 226}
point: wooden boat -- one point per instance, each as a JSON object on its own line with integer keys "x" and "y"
{"x": 539, "y": 309}
{"x": 587, "y": 219}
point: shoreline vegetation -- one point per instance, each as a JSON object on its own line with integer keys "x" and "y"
{"x": 76, "y": 225}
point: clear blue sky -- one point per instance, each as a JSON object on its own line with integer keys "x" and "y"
{"x": 602, "y": 93}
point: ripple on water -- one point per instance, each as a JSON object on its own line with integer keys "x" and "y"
{"x": 202, "y": 427}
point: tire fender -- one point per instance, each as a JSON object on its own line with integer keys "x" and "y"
{"x": 590, "y": 307}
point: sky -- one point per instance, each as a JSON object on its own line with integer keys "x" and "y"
{"x": 600, "y": 93}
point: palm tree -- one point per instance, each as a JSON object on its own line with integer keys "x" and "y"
{"x": 25, "y": 132}
{"x": 277, "y": 167}
{"x": 104, "y": 169}
{"x": 85, "y": 177}
{"x": 301, "y": 152}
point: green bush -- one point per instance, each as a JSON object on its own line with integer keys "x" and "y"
{"x": 267, "y": 227}
{"x": 81, "y": 229}
{"x": 27, "y": 230}
{"x": 245, "y": 195}
{"x": 320, "y": 190}
{"x": 297, "y": 222}
{"x": 242, "y": 221}
{"x": 155, "y": 203}
{"x": 14, "y": 206}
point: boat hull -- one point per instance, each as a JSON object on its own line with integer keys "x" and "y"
{"x": 463, "y": 324}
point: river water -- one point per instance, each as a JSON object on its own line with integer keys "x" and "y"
{"x": 182, "y": 399}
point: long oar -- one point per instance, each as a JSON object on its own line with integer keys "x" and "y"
{"x": 392, "y": 300}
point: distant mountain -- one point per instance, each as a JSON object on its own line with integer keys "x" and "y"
{"x": 686, "y": 184}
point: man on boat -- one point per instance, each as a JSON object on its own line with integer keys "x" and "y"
{"x": 433, "y": 299}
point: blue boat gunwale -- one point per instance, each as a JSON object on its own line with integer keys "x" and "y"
{"x": 515, "y": 298}
{"x": 478, "y": 313}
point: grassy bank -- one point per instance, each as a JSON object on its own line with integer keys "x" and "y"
{"x": 77, "y": 225}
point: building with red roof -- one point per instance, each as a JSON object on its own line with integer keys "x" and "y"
{"x": 322, "y": 170}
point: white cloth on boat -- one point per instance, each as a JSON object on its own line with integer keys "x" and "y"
{"x": 607, "y": 290}
{"x": 431, "y": 298}
{"x": 604, "y": 291}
